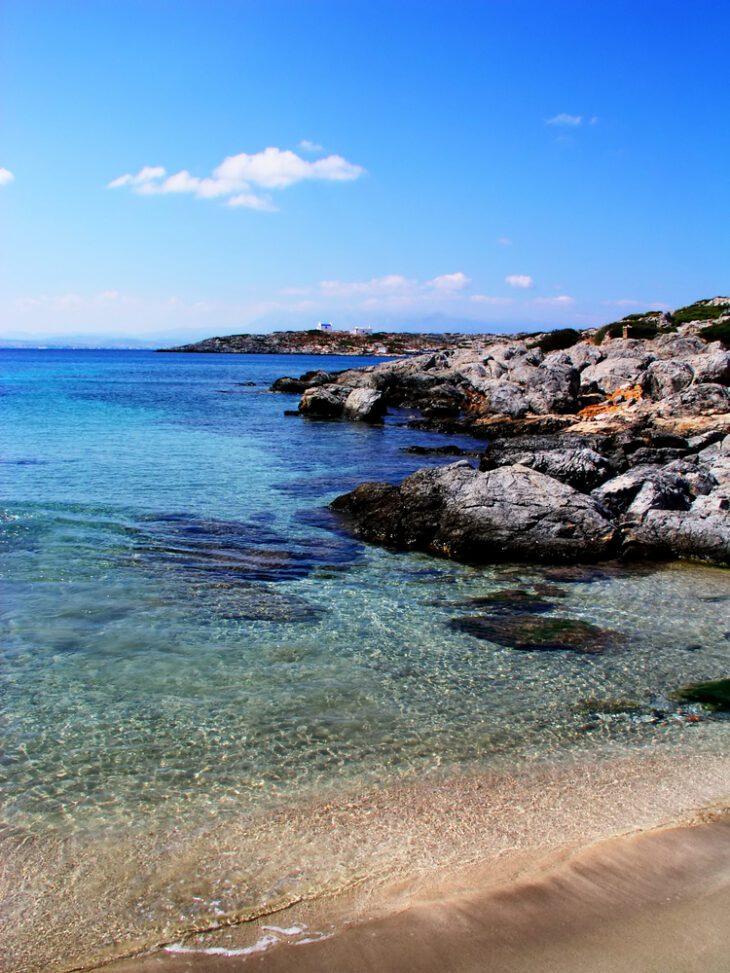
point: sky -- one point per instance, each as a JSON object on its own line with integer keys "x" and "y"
{"x": 173, "y": 170}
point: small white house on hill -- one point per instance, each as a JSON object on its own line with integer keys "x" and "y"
{"x": 325, "y": 326}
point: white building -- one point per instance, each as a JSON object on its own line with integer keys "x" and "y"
{"x": 363, "y": 332}
{"x": 324, "y": 326}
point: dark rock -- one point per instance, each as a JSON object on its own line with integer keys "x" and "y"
{"x": 698, "y": 400}
{"x": 437, "y": 450}
{"x": 580, "y": 467}
{"x": 530, "y": 633}
{"x": 511, "y": 601}
{"x": 508, "y": 513}
{"x": 290, "y": 385}
{"x": 324, "y": 402}
{"x": 715, "y": 694}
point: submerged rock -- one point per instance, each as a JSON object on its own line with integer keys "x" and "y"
{"x": 511, "y": 601}
{"x": 715, "y": 694}
{"x": 531, "y": 633}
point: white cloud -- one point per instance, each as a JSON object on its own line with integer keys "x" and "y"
{"x": 519, "y": 280}
{"x": 561, "y": 300}
{"x": 145, "y": 175}
{"x": 252, "y": 201}
{"x": 307, "y": 146}
{"x": 390, "y": 284}
{"x": 6, "y": 176}
{"x": 488, "y": 299}
{"x": 236, "y": 175}
{"x": 395, "y": 291}
{"x": 449, "y": 282}
{"x": 565, "y": 119}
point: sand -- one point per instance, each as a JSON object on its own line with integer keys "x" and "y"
{"x": 652, "y": 901}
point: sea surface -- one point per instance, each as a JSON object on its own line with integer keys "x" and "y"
{"x": 190, "y": 644}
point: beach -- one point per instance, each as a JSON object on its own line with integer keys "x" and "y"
{"x": 655, "y": 900}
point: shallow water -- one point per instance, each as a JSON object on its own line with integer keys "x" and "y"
{"x": 185, "y": 640}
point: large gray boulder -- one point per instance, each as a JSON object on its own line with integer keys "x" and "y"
{"x": 364, "y": 405}
{"x": 702, "y": 531}
{"x": 667, "y": 376}
{"x": 324, "y": 401}
{"x": 696, "y": 400}
{"x": 511, "y": 513}
{"x": 612, "y": 373}
{"x": 580, "y": 467}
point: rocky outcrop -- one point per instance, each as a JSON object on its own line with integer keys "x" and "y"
{"x": 335, "y": 401}
{"x": 614, "y": 445}
{"x": 511, "y": 513}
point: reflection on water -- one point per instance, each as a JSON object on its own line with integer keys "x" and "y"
{"x": 184, "y": 638}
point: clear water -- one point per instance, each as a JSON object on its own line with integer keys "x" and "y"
{"x": 184, "y": 637}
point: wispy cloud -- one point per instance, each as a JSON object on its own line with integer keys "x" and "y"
{"x": 560, "y": 300}
{"x": 572, "y": 121}
{"x": 239, "y": 178}
{"x": 488, "y": 299}
{"x": 504, "y": 241}
{"x": 307, "y": 146}
{"x": 523, "y": 281}
{"x": 6, "y": 176}
{"x": 396, "y": 290}
{"x": 449, "y": 282}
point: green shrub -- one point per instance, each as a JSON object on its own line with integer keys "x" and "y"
{"x": 717, "y": 332}
{"x": 639, "y": 325}
{"x": 700, "y": 312}
{"x": 557, "y": 340}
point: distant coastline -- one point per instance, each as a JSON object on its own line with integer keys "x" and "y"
{"x": 315, "y": 342}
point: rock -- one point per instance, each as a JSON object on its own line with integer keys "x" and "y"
{"x": 503, "y": 398}
{"x": 324, "y": 401}
{"x": 364, "y": 405}
{"x": 534, "y": 633}
{"x": 712, "y": 368}
{"x": 613, "y": 373}
{"x": 715, "y": 694}
{"x": 299, "y": 385}
{"x": 580, "y": 467}
{"x": 511, "y": 601}
{"x": 618, "y": 493}
{"x": 702, "y": 531}
{"x": 701, "y": 399}
{"x": 511, "y": 513}
{"x": 661, "y": 491}
{"x": 663, "y": 378}
{"x": 551, "y": 387}
{"x": 289, "y": 385}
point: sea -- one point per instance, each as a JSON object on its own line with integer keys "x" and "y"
{"x": 201, "y": 671}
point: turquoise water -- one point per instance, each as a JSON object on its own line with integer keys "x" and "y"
{"x": 184, "y": 635}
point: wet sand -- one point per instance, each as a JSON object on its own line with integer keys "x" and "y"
{"x": 643, "y": 903}
{"x": 412, "y": 870}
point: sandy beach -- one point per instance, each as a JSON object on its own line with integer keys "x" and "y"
{"x": 653, "y": 900}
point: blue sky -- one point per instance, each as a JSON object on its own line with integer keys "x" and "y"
{"x": 496, "y": 164}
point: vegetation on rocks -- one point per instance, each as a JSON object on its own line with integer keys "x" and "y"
{"x": 714, "y": 694}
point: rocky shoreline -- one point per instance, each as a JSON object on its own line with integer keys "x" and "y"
{"x": 316, "y": 342}
{"x": 609, "y": 443}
